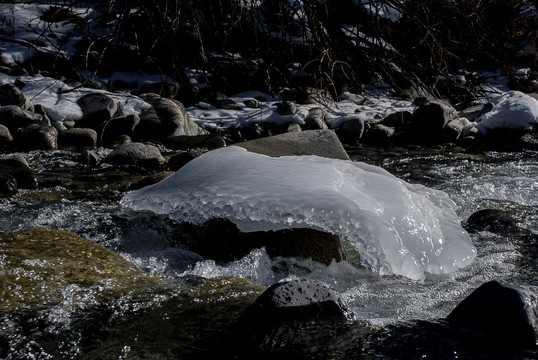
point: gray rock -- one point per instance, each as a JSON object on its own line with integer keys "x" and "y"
{"x": 252, "y": 103}
{"x": 149, "y": 126}
{"x": 453, "y": 130}
{"x": 5, "y": 136}
{"x": 10, "y": 94}
{"x": 351, "y": 129}
{"x": 45, "y": 120}
{"x": 315, "y": 119}
{"x": 196, "y": 141}
{"x": 79, "y": 137}
{"x": 473, "y": 112}
{"x": 433, "y": 116}
{"x": 13, "y": 117}
{"x": 145, "y": 155}
{"x": 501, "y": 313}
{"x": 293, "y": 128}
{"x": 297, "y": 300}
{"x": 37, "y": 137}
{"x": 89, "y": 157}
{"x": 178, "y": 160}
{"x": 97, "y": 107}
{"x": 312, "y": 142}
{"x": 17, "y": 167}
{"x": 286, "y": 108}
{"x": 173, "y": 118}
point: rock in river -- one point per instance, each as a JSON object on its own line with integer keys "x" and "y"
{"x": 39, "y": 265}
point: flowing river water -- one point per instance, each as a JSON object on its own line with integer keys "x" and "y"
{"x": 84, "y": 200}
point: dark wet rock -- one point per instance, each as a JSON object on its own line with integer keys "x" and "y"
{"x": 195, "y": 141}
{"x": 150, "y": 180}
{"x": 379, "y": 134}
{"x": 67, "y": 260}
{"x": 398, "y": 120}
{"x": 37, "y": 137}
{"x": 220, "y": 239}
{"x": 78, "y": 137}
{"x": 497, "y": 221}
{"x": 149, "y": 126}
{"x": 431, "y": 117}
{"x": 97, "y": 109}
{"x": 8, "y": 184}
{"x": 10, "y": 94}
{"x": 222, "y": 101}
{"x": 145, "y": 155}
{"x": 315, "y": 119}
{"x": 312, "y": 142}
{"x": 13, "y": 117}
{"x": 501, "y": 313}
{"x": 45, "y": 120}
{"x": 172, "y": 329}
{"x": 89, "y": 157}
{"x": 352, "y": 129}
{"x": 297, "y": 300}
{"x": 5, "y": 136}
{"x": 17, "y": 167}
{"x": 286, "y": 108}
{"x": 174, "y": 120}
{"x": 114, "y": 128}
{"x": 166, "y": 89}
{"x": 177, "y": 161}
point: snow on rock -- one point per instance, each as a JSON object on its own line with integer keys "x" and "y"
{"x": 395, "y": 226}
{"x": 60, "y": 99}
{"x": 513, "y": 110}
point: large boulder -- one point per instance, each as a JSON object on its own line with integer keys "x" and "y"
{"x": 502, "y": 314}
{"x": 174, "y": 120}
{"x": 323, "y": 143}
{"x": 38, "y": 265}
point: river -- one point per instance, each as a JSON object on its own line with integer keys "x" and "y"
{"x": 85, "y": 200}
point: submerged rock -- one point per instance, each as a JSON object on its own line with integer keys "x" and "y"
{"x": 39, "y": 265}
{"x": 497, "y": 221}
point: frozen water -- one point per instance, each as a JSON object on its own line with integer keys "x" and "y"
{"x": 395, "y": 226}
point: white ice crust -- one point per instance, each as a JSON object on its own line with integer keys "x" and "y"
{"x": 395, "y": 226}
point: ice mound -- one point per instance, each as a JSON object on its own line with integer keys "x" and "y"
{"x": 513, "y": 110}
{"x": 396, "y": 227}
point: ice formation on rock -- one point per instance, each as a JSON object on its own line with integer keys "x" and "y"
{"x": 396, "y": 227}
{"x": 512, "y": 110}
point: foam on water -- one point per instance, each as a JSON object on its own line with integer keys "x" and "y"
{"x": 396, "y": 227}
